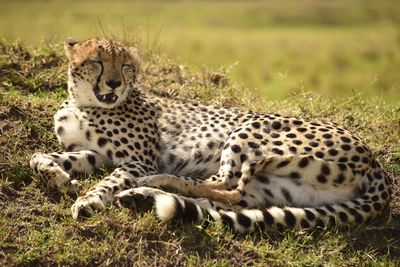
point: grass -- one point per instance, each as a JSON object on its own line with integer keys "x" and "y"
{"x": 336, "y": 48}
{"x": 36, "y": 227}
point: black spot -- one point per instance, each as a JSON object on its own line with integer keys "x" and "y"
{"x": 377, "y": 175}
{"x": 253, "y": 145}
{"x": 319, "y": 223}
{"x": 243, "y": 203}
{"x": 243, "y": 220}
{"x": 377, "y": 206}
{"x": 346, "y": 147}
{"x": 243, "y": 135}
{"x": 304, "y": 223}
{"x": 276, "y": 125}
{"x": 310, "y": 215}
{"x": 343, "y": 216}
{"x": 243, "y": 158}
{"x": 294, "y": 175}
{"x": 302, "y": 129}
{"x": 262, "y": 178}
{"x": 134, "y": 173}
{"x": 283, "y": 163}
{"x": 257, "y": 136}
{"x": 366, "y": 208}
{"x": 307, "y": 148}
{"x": 332, "y": 152}
{"x": 319, "y": 154}
{"x": 313, "y": 144}
{"x": 321, "y": 178}
{"x": 109, "y": 154}
{"x": 325, "y": 169}
{"x": 327, "y": 136}
{"x": 227, "y": 221}
{"x": 256, "y": 124}
{"x": 297, "y": 142}
{"x": 190, "y": 212}
{"x": 236, "y": 148}
{"x": 345, "y": 139}
{"x": 60, "y": 130}
{"x": 88, "y": 135}
{"x": 119, "y": 154}
{"x": 67, "y": 165}
{"x": 268, "y": 219}
{"x": 358, "y": 218}
{"x": 291, "y": 135}
{"x": 275, "y": 135}
{"x": 340, "y": 179}
{"x": 277, "y": 143}
{"x": 321, "y": 211}
{"x": 303, "y": 162}
{"x": 309, "y": 136}
{"x": 102, "y": 141}
{"x": 277, "y": 151}
{"x": 290, "y": 219}
{"x": 287, "y": 195}
{"x": 330, "y": 208}
{"x": 360, "y": 149}
{"x": 268, "y": 192}
{"x": 91, "y": 159}
{"x": 297, "y": 122}
{"x": 137, "y": 145}
{"x": 329, "y": 143}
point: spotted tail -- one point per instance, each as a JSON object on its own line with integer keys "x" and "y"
{"x": 358, "y": 211}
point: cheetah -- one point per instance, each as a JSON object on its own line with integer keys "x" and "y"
{"x": 192, "y": 161}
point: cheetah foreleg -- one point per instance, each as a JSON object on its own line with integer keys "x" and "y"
{"x": 122, "y": 178}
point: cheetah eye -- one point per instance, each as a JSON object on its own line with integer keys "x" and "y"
{"x": 97, "y": 62}
{"x": 128, "y": 66}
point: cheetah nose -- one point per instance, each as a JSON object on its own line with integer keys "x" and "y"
{"x": 113, "y": 83}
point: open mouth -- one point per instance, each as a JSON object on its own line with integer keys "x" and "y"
{"x": 110, "y": 98}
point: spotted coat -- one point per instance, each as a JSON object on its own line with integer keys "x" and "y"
{"x": 243, "y": 168}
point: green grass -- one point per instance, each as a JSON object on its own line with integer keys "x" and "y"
{"x": 36, "y": 226}
{"x": 336, "y": 48}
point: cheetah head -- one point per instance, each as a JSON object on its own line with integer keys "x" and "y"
{"x": 101, "y": 72}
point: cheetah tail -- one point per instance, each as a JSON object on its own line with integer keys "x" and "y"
{"x": 360, "y": 210}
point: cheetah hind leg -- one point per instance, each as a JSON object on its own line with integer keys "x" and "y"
{"x": 195, "y": 187}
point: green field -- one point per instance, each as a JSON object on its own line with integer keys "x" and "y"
{"x": 346, "y": 52}
{"x": 336, "y": 48}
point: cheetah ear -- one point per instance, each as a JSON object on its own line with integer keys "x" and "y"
{"x": 69, "y": 44}
{"x": 135, "y": 53}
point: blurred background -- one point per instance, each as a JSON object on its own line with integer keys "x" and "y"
{"x": 335, "y": 48}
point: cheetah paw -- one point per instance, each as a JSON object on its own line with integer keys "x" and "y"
{"x": 85, "y": 206}
{"x": 44, "y": 166}
{"x": 136, "y": 198}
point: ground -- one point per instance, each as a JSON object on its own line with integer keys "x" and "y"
{"x": 36, "y": 226}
